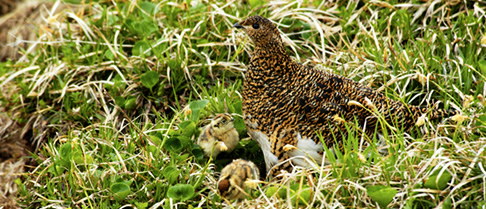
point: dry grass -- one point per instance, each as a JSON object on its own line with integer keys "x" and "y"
{"x": 83, "y": 86}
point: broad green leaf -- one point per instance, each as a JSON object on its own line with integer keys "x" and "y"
{"x": 120, "y": 190}
{"x": 130, "y": 103}
{"x": 438, "y": 180}
{"x": 66, "y": 151}
{"x": 184, "y": 124}
{"x": 238, "y": 107}
{"x": 270, "y": 192}
{"x": 156, "y": 140}
{"x": 119, "y": 84}
{"x": 199, "y": 104}
{"x": 181, "y": 158}
{"x": 196, "y": 107}
{"x": 181, "y": 192}
{"x": 383, "y": 195}
{"x": 141, "y": 205}
{"x": 482, "y": 66}
{"x": 66, "y": 155}
{"x": 194, "y": 116}
{"x": 300, "y": 193}
{"x": 481, "y": 123}
{"x": 255, "y": 3}
{"x": 121, "y": 180}
{"x": 148, "y": 7}
{"x": 197, "y": 152}
{"x": 18, "y": 181}
{"x": 240, "y": 126}
{"x": 140, "y": 48}
{"x": 150, "y": 79}
{"x": 173, "y": 144}
{"x": 79, "y": 158}
{"x": 109, "y": 55}
{"x": 185, "y": 141}
{"x": 188, "y": 128}
{"x": 171, "y": 174}
{"x": 142, "y": 28}
{"x": 154, "y": 150}
{"x": 149, "y": 27}
{"x": 282, "y": 192}
{"x": 120, "y": 101}
{"x": 112, "y": 20}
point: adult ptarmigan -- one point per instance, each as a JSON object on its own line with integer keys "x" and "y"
{"x": 286, "y": 104}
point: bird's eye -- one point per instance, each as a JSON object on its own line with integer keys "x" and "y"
{"x": 256, "y": 26}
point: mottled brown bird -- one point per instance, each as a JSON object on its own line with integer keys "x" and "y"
{"x": 285, "y": 103}
{"x": 236, "y": 177}
{"x": 219, "y": 136}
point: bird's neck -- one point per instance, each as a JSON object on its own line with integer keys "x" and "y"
{"x": 274, "y": 56}
{"x": 271, "y": 49}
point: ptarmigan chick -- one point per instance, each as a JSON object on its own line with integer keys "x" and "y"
{"x": 220, "y": 134}
{"x": 236, "y": 177}
{"x": 280, "y": 94}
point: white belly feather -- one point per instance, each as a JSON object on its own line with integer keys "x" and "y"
{"x": 306, "y": 155}
{"x": 262, "y": 139}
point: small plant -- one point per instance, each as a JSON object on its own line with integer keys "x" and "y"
{"x": 114, "y": 96}
{"x": 383, "y": 195}
{"x": 181, "y": 192}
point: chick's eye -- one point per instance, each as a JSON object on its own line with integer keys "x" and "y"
{"x": 256, "y": 26}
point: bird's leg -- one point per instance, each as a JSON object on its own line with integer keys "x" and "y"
{"x": 283, "y": 142}
{"x": 221, "y": 146}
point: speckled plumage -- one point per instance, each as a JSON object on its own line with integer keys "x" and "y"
{"x": 285, "y": 103}
{"x": 237, "y": 177}
{"x": 219, "y": 136}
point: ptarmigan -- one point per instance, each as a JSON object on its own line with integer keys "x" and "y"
{"x": 285, "y": 104}
{"x": 236, "y": 177}
{"x": 219, "y": 136}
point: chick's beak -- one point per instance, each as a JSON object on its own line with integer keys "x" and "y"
{"x": 237, "y": 25}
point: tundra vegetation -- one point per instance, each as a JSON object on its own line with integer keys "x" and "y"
{"x": 111, "y": 95}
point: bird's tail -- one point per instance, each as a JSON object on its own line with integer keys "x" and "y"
{"x": 435, "y": 113}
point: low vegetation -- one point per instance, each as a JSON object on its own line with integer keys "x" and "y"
{"x": 115, "y": 93}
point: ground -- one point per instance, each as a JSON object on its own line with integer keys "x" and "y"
{"x": 101, "y": 110}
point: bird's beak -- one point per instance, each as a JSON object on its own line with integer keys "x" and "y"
{"x": 237, "y": 25}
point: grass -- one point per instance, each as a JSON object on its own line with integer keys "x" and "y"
{"x": 115, "y": 93}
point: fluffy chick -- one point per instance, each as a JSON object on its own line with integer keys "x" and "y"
{"x": 219, "y": 136}
{"x": 236, "y": 177}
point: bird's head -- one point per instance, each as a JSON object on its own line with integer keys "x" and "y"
{"x": 261, "y": 31}
{"x": 222, "y": 122}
